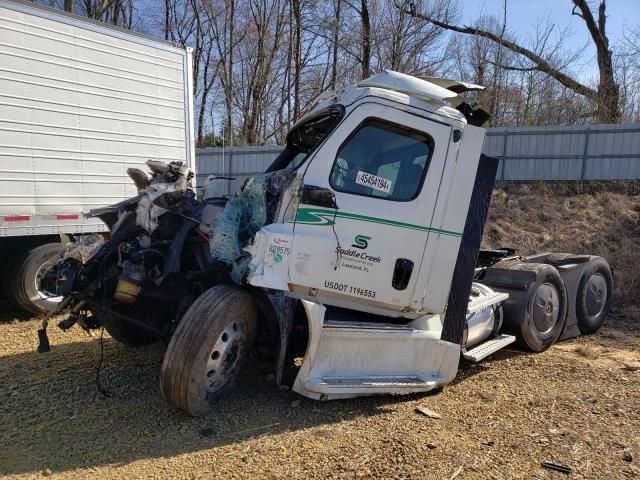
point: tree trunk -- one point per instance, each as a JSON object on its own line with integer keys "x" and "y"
{"x": 69, "y": 6}
{"x": 229, "y": 74}
{"x": 297, "y": 67}
{"x": 366, "y": 39}
{"x": 167, "y": 23}
{"x": 336, "y": 38}
{"x": 608, "y": 89}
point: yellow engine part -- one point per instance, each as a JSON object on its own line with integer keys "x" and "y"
{"x": 126, "y": 291}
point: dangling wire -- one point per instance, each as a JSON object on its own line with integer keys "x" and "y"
{"x": 333, "y": 227}
{"x": 101, "y": 389}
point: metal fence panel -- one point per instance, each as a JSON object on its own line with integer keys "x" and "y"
{"x": 551, "y": 153}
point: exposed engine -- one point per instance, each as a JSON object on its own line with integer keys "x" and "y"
{"x": 139, "y": 280}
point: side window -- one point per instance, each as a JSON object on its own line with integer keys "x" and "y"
{"x": 381, "y": 159}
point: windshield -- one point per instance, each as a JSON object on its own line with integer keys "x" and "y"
{"x": 304, "y": 137}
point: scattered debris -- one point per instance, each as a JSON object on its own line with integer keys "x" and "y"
{"x": 632, "y": 366}
{"x": 457, "y": 472}
{"x": 47, "y": 472}
{"x": 431, "y": 446}
{"x": 488, "y": 443}
{"x": 556, "y": 467}
{"x": 295, "y": 403}
{"x": 627, "y": 457}
{"x": 428, "y": 413}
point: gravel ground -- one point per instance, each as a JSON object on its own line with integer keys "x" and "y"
{"x": 575, "y": 405}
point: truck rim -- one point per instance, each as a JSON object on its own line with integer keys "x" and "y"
{"x": 545, "y": 307}
{"x": 223, "y": 356}
{"x": 45, "y": 283}
{"x": 596, "y": 295}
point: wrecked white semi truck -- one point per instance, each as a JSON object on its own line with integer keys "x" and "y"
{"x": 354, "y": 260}
{"x": 80, "y": 102}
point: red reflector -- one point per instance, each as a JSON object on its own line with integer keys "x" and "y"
{"x": 17, "y": 218}
{"x": 67, "y": 217}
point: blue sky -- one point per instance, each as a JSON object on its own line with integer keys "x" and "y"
{"x": 522, "y": 15}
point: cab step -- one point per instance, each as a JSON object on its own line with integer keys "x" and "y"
{"x": 486, "y": 301}
{"x": 487, "y": 348}
{"x": 397, "y": 381}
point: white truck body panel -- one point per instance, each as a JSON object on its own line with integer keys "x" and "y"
{"x": 80, "y": 102}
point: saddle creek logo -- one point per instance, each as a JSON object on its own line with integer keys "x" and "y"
{"x": 361, "y": 242}
{"x": 355, "y": 257}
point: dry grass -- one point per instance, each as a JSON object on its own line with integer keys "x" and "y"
{"x": 588, "y": 351}
{"x": 599, "y": 219}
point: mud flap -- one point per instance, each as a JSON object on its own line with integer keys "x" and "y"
{"x": 453, "y": 327}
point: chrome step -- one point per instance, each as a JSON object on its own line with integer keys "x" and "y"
{"x": 339, "y": 324}
{"x": 487, "y": 348}
{"x": 486, "y": 301}
{"x": 399, "y": 381}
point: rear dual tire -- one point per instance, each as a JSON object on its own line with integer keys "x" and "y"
{"x": 25, "y": 282}
{"x": 546, "y": 311}
{"x": 594, "y": 295}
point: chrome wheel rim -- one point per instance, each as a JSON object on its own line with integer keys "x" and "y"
{"x": 224, "y": 356}
{"x": 42, "y": 284}
{"x": 546, "y": 307}
{"x": 596, "y": 295}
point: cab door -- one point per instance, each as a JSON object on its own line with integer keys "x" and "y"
{"x": 366, "y": 209}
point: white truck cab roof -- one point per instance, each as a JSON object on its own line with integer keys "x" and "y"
{"x": 436, "y": 95}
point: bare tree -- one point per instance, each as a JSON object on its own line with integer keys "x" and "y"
{"x": 606, "y": 96}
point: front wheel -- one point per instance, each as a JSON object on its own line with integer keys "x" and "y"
{"x": 207, "y": 349}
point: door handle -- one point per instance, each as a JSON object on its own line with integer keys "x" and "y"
{"x": 402, "y": 273}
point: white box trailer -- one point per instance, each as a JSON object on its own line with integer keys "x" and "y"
{"x": 80, "y": 102}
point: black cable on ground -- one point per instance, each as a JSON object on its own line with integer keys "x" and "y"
{"x": 101, "y": 389}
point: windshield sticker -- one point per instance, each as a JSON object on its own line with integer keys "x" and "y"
{"x": 377, "y": 183}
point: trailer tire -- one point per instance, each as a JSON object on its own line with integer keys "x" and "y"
{"x": 207, "y": 349}
{"x": 546, "y": 311}
{"x": 28, "y": 274}
{"x": 10, "y": 271}
{"x": 593, "y": 298}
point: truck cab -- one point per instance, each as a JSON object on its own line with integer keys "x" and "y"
{"x": 370, "y": 242}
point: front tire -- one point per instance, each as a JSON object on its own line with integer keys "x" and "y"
{"x": 207, "y": 349}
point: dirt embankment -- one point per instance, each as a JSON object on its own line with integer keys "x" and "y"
{"x": 599, "y": 219}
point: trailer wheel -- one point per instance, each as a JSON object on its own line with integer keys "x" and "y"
{"x": 31, "y": 282}
{"x": 546, "y": 311}
{"x": 207, "y": 349}
{"x": 10, "y": 271}
{"x": 593, "y": 298}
